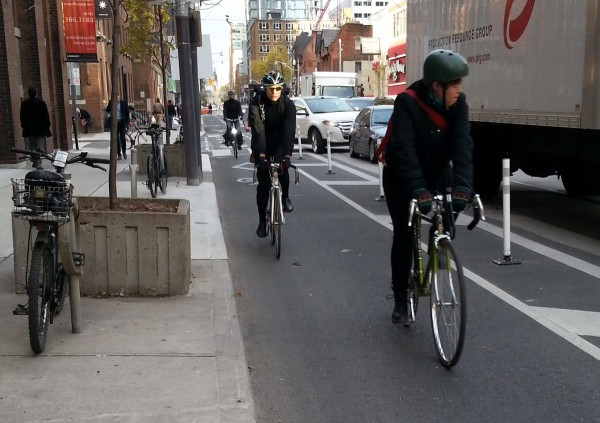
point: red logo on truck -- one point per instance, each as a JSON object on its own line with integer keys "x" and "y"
{"x": 514, "y": 28}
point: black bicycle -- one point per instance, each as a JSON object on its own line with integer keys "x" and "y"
{"x": 44, "y": 198}
{"x": 233, "y": 137}
{"x": 442, "y": 279}
{"x": 156, "y": 162}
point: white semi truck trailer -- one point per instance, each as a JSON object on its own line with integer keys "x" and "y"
{"x": 534, "y": 83}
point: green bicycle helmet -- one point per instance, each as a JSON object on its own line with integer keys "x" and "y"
{"x": 444, "y": 66}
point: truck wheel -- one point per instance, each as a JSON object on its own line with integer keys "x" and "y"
{"x": 487, "y": 181}
{"x": 580, "y": 179}
{"x": 318, "y": 144}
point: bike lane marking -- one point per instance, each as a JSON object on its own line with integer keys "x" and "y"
{"x": 558, "y": 325}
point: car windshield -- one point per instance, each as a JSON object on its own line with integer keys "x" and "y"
{"x": 328, "y": 105}
{"x": 360, "y": 103}
{"x": 382, "y": 116}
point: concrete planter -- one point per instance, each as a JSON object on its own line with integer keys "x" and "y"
{"x": 143, "y": 253}
{"x": 175, "y": 154}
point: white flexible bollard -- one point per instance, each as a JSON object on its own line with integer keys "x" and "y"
{"x": 299, "y": 142}
{"x": 506, "y": 259}
{"x": 329, "y": 172}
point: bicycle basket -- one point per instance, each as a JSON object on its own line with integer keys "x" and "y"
{"x": 41, "y": 195}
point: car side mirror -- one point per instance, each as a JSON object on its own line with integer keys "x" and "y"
{"x": 301, "y": 112}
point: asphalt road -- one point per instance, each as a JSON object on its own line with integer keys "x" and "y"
{"x": 316, "y": 323}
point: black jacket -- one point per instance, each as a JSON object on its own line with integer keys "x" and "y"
{"x": 276, "y": 134}
{"x": 232, "y": 109}
{"x": 419, "y": 152}
{"x": 35, "y": 119}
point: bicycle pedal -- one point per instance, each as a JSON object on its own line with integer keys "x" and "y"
{"x": 20, "y": 310}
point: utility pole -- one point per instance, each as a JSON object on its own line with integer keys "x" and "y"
{"x": 187, "y": 97}
{"x": 230, "y": 51}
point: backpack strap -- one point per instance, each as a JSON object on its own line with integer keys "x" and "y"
{"x": 435, "y": 117}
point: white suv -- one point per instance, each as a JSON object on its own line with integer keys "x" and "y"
{"x": 318, "y": 116}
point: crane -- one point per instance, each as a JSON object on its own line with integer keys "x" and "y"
{"x": 322, "y": 14}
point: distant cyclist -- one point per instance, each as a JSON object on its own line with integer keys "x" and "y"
{"x": 429, "y": 149}
{"x": 272, "y": 118}
{"x": 232, "y": 109}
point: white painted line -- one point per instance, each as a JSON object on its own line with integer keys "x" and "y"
{"x": 584, "y": 323}
{"x": 531, "y": 312}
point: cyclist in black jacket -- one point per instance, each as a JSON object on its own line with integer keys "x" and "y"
{"x": 272, "y": 118}
{"x": 232, "y": 109}
{"x": 421, "y": 157}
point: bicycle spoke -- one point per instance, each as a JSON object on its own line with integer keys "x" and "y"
{"x": 448, "y": 304}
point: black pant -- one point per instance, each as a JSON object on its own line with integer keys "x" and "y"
{"x": 263, "y": 187}
{"x": 121, "y": 138}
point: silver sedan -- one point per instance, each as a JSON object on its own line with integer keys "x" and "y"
{"x": 370, "y": 125}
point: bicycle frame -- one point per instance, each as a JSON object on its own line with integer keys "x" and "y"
{"x": 275, "y": 193}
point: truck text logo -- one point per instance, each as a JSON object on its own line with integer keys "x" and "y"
{"x": 514, "y": 28}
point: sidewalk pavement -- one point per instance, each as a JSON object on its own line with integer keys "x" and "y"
{"x": 173, "y": 359}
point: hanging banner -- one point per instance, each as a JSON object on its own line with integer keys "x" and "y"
{"x": 80, "y": 30}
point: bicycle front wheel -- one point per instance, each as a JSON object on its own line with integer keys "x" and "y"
{"x": 39, "y": 291}
{"x": 448, "y": 303}
{"x": 277, "y": 225}
{"x": 164, "y": 177}
{"x": 152, "y": 175}
{"x": 234, "y": 148}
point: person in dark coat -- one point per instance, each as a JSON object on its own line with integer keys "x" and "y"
{"x": 272, "y": 118}
{"x": 419, "y": 154}
{"x": 85, "y": 119}
{"x": 35, "y": 121}
{"x": 171, "y": 112}
{"x": 122, "y": 124}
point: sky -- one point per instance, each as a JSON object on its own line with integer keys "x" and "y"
{"x": 212, "y": 14}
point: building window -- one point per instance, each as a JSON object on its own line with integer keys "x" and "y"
{"x": 263, "y": 49}
{"x": 289, "y": 38}
{"x": 357, "y": 67}
{"x": 277, "y": 38}
{"x": 263, "y": 37}
{"x": 263, "y": 26}
{"x": 289, "y": 26}
{"x": 277, "y": 26}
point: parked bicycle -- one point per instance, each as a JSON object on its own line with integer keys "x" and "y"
{"x": 233, "y": 136}
{"x": 442, "y": 278}
{"x": 275, "y": 217}
{"x": 156, "y": 162}
{"x": 44, "y": 198}
{"x": 136, "y": 132}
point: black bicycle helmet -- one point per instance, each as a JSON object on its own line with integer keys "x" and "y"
{"x": 273, "y": 79}
{"x": 444, "y": 66}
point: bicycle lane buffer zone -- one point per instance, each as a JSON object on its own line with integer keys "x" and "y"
{"x": 538, "y": 314}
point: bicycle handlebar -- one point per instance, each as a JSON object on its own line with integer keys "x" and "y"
{"x": 478, "y": 210}
{"x": 80, "y": 158}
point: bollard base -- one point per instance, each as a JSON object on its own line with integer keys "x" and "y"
{"x": 380, "y": 198}
{"x": 506, "y": 260}
{"x": 330, "y": 172}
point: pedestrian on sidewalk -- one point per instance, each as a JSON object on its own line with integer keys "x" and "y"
{"x": 35, "y": 121}
{"x": 84, "y": 118}
{"x": 158, "y": 111}
{"x": 122, "y": 124}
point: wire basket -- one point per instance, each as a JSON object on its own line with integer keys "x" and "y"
{"x": 43, "y": 200}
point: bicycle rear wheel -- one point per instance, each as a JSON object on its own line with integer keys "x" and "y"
{"x": 152, "y": 175}
{"x": 448, "y": 304}
{"x": 277, "y": 225}
{"x": 234, "y": 148}
{"x": 39, "y": 291}
{"x": 62, "y": 282}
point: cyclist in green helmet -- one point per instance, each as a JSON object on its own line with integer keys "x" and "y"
{"x": 429, "y": 148}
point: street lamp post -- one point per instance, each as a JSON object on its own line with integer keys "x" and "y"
{"x": 230, "y": 51}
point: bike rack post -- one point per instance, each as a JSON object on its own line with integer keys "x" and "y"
{"x": 133, "y": 167}
{"x": 299, "y": 142}
{"x": 380, "y": 165}
{"x": 507, "y": 259}
{"x": 329, "y": 172}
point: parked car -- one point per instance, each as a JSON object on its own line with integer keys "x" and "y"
{"x": 360, "y": 103}
{"x": 318, "y": 116}
{"x": 370, "y": 125}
